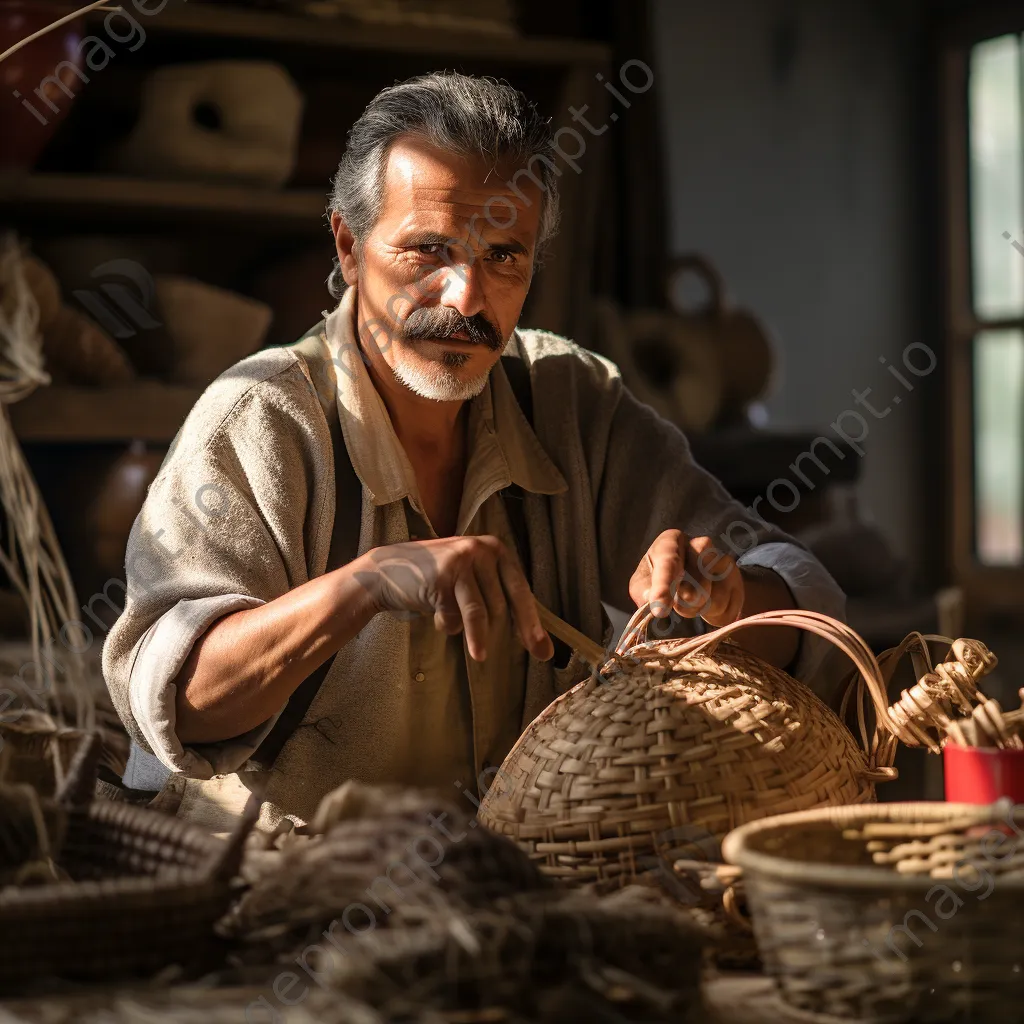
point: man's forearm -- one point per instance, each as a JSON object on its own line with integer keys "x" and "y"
{"x": 246, "y": 665}
{"x": 764, "y": 590}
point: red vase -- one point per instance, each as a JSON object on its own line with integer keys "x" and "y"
{"x": 29, "y": 120}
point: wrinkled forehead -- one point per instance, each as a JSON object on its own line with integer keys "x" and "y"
{"x": 432, "y": 190}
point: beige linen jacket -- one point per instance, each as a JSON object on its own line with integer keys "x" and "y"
{"x": 243, "y": 510}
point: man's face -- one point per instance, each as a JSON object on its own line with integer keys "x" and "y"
{"x": 444, "y": 273}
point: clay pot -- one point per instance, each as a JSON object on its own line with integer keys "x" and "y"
{"x": 25, "y": 133}
{"x": 739, "y": 340}
{"x": 662, "y": 363}
{"x": 116, "y": 502}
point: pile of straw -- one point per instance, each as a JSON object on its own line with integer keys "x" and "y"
{"x": 29, "y": 553}
{"x": 538, "y": 956}
{"x": 374, "y": 849}
{"x": 410, "y": 921}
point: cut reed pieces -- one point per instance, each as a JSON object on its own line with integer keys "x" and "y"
{"x": 989, "y": 727}
{"x": 942, "y": 692}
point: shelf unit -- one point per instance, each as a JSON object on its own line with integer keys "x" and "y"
{"x": 340, "y": 33}
{"x": 296, "y": 209}
{"x": 67, "y": 199}
{"x": 142, "y": 411}
{"x": 240, "y": 237}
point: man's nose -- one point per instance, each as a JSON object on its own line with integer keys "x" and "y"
{"x": 463, "y": 289}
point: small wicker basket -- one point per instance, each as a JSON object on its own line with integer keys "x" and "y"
{"x": 146, "y": 891}
{"x": 890, "y": 913}
{"x": 676, "y": 742}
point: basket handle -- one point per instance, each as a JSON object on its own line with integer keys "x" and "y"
{"x": 880, "y": 755}
{"x": 953, "y": 683}
{"x": 703, "y": 268}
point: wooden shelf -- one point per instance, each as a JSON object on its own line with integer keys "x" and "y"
{"x": 299, "y": 209}
{"x": 238, "y": 23}
{"x": 144, "y": 410}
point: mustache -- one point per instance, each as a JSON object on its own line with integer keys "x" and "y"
{"x": 430, "y": 323}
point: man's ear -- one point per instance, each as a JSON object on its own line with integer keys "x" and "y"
{"x": 345, "y": 244}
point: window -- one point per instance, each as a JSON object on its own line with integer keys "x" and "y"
{"x": 983, "y": 66}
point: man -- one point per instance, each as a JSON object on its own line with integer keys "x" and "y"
{"x": 370, "y": 509}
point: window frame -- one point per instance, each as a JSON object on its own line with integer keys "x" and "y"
{"x": 990, "y": 591}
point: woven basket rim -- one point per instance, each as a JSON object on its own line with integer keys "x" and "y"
{"x": 69, "y": 895}
{"x": 735, "y": 848}
{"x": 172, "y": 878}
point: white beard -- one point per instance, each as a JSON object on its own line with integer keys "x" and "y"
{"x": 438, "y": 383}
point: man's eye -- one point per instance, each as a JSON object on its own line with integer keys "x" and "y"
{"x": 430, "y": 248}
{"x": 501, "y": 256}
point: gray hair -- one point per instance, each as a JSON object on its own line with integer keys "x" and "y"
{"x": 456, "y": 113}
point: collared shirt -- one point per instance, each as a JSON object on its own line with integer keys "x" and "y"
{"x": 467, "y": 713}
{"x": 601, "y": 474}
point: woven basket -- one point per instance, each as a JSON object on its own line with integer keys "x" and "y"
{"x": 676, "y": 742}
{"x": 145, "y": 893}
{"x": 892, "y": 912}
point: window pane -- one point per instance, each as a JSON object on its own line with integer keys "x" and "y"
{"x": 997, "y": 177}
{"x": 999, "y": 446}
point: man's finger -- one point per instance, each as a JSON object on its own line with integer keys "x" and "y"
{"x": 447, "y": 614}
{"x": 494, "y": 594}
{"x": 737, "y": 598}
{"x": 473, "y": 610}
{"x": 692, "y": 596}
{"x": 524, "y": 609}
{"x": 668, "y": 567}
{"x": 717, "y": 604}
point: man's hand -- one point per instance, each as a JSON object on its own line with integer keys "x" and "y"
{"x": 463, "y": 582}
{"x": 690, "y": 576}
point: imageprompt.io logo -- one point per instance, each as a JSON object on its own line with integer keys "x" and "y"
{"x": 122, "y": 307}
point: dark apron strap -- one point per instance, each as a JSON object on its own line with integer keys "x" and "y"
{"x": 348, "y": 515}
{"x": 312, "y": 349}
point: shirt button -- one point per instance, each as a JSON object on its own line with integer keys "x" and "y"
{"x": 419, "y": 677}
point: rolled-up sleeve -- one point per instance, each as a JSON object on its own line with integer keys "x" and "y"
{"x": 238, "y": 515}
{"x": 814, "y": 590}
{"x": 162, "y": 653}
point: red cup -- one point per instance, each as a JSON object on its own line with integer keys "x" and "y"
{"x": 983, "y": 775}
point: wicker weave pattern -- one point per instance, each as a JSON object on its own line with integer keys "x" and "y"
{"x": 831, "y": 891}
{"x": 699, "y": 741}
{"x": 697, "y": 734}
{"x": 147, "y": 891}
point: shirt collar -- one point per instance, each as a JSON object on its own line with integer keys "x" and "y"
{"x": 377, "y": 455}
